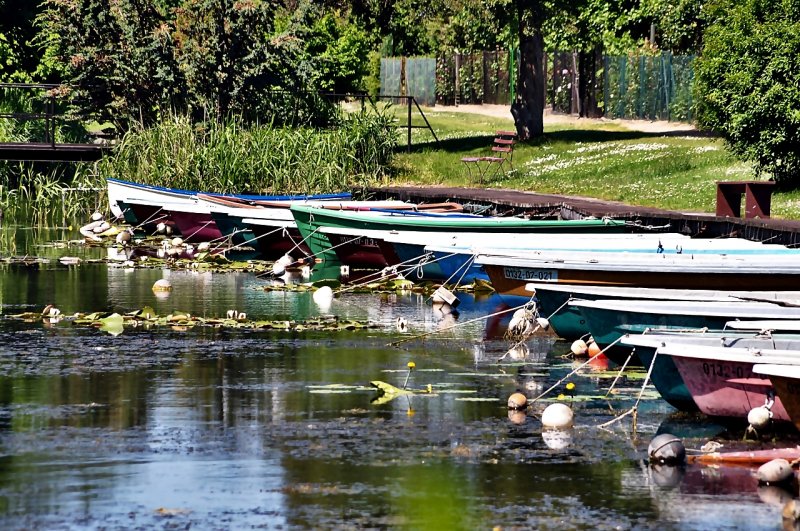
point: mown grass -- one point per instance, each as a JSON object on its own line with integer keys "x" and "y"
{"x": 677, "y": 170}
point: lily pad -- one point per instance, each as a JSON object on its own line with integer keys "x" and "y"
{"x": 112, "y": 324}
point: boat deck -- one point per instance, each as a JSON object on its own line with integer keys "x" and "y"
{"x": 511, "y": 202}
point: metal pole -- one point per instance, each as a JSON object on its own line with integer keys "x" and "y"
{"x": 408, "y": 99}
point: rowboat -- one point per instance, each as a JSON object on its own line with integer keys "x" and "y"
{"x": 786, "y": 380}
{"x": 721, "y": 379}
{"x": 609, "y": 320}
{"x": 510, "y": 274}
{"x": 310, "y": 220}
{"x": 566, "y": 320}
{"x": 123, "y": 194}
{"x": 665, "y": 375}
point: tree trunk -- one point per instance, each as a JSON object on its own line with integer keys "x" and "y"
{"x": 528, "y": 106}
{"x": 588, "y": 86}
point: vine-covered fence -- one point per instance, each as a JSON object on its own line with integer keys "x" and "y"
{"x": 634, "y": 86}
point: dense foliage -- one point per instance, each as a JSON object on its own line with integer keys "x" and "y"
{"x": 748, "y": 83}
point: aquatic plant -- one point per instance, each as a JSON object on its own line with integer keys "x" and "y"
{"x": 228, "y": 157}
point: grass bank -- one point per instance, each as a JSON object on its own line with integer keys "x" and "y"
{"x": 675, "y": 170}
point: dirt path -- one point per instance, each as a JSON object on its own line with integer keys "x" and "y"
{"x": 503, "y": 111}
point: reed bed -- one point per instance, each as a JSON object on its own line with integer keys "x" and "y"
{"x": 61, "y": 195}
{"x": 232, "y": 158}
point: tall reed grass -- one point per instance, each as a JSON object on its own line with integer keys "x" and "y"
{"x": 229, "y": 157}
{"x": 62, "y": 194}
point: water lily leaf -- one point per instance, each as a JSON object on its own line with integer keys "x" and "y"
{"x": 482, "y": 285}
{"x": 331, "y": 283}
{"x": 112, "y": 324}
{"x": 400, "y": 283}
{"x": 389, "y": 389}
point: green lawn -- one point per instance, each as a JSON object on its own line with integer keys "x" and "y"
{"x": 605, "y": 160}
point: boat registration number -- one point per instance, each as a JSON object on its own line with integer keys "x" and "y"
{"x": 527, "y": 273}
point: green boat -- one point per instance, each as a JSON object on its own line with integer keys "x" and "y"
{"x": 309, "y": 220}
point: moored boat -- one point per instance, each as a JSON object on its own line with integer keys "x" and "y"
{"x": 786, "y": 380}
{"x": 721, "y": 379}
{"x": 310, "y": 220}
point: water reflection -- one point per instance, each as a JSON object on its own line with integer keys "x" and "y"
{"x": 230, "y": 428}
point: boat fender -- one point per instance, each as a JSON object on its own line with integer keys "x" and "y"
{"x": 202, "y": 247}
{"x": 775, "y": 472}
{"x": 87, "y": 231}
{"x": 97, "y": 216}
{"x": 517, "y": 401}
{"x": 666, "y": 449}
{"x": 593, "y": 349}
{"x": 177, "y": 242}
{"x": 759, "y": 417}
{"x": 323, "y": 296}
{"x": 279, "y": 267}
{"x": 543, "y": 323}
{"x": 579, "y": 347}
{"x": 161, "y": 228}
{"x": 558, "y": 416}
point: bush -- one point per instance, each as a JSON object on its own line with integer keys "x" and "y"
{"x": 748, "y": 83}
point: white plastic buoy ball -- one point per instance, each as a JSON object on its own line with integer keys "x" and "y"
{"x": 323, "y": 295}
{"x": 759, "y": 417}
{"x": 517, "y": 401}
{"x": 579, "y": 347}
{"x": 401, "y": 324}
{"x": 162, "y": 284}
{"x": 666, "y": 449}
{"x": 177, "y": 242}
{"x": 557, "y": 416}
{"x": 102, "y": 227}
{"x": 776, "y": 471}
{"x": 557, "y": 439}
{"x": 279, "y": 267}
{"x": 543, "y": 323}
{"x": 97, "y": 216}
{"x": 203, "y": 247}
{"x": 161, "y": 228}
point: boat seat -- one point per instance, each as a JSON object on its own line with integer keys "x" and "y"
{"x": 492, "y": 165}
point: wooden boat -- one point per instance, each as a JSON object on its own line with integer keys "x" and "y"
{"x": 566, "y": 320}
{"x": 510, "y": 274}
{"x": 609, "y": 320}
{"x": 721, "y": 379}
{"x": 786, "y": 380}
{"x": 310, "y": 220}
{"x": 665, "y": 375}
{"x": 130, "y": 193}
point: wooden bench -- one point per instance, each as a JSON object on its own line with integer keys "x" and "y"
{"x": 502, "y": 154}
{"x": 757, "y": 198}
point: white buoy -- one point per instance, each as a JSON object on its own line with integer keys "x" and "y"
{"x": 557, "y": 416}
{"x": 759, "y": 417}
{"x": 401, "y": 324}
{"x": 123, "y": 237}
{"x": 323, "y": 296}
{"x": 202, "y": 247}
{"x": 776, "y": 471}
{"x": 97, "y": 216}
{"x": 543, "y": 323}
{"x": 102, "y": 227}
{"x": 279, "y": 267}
{"x": 177, "y": 241}
{"x": 579, "y": 347}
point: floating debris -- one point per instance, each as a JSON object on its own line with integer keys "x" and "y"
{"x": 115, "y": 323}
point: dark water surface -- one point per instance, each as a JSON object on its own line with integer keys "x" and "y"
{"x": 232, "y": 429}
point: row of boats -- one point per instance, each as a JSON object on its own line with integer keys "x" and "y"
{"x": 716, "y": 321}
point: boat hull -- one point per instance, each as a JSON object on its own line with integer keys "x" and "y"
{"x": 727, "y": 388}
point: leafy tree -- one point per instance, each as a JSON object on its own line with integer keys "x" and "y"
{"x": 748, "y": 82}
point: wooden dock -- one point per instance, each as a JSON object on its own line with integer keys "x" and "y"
{"x": 503, "y": 202}
{"x": 49, "y": 152}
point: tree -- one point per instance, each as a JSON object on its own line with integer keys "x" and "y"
{"x": 528, "y": 106}
{"x": 748, "y": 83}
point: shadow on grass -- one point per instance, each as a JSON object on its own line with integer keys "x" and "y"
{"x": 584, "y": 136}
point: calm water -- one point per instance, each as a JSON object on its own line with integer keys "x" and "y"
{"x": 229, "y": 429}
